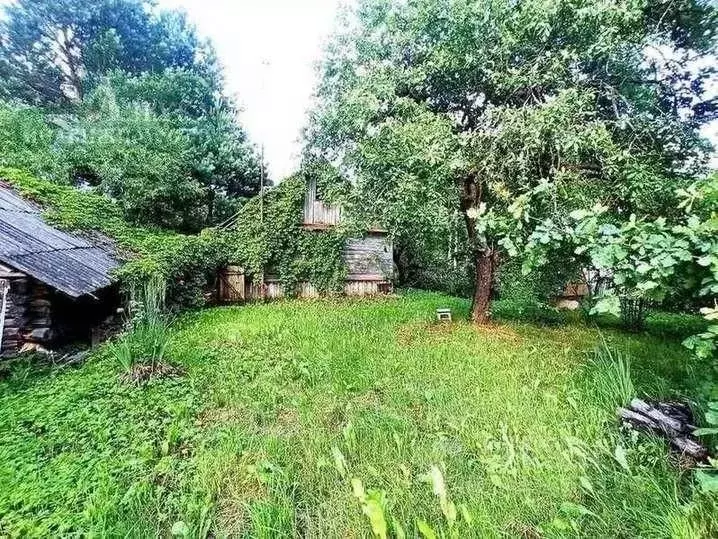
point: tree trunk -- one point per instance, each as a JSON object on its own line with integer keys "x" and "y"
{"x": 73, "y": 64}
{"x": 485, "y": 256}
{"x": 484, "y": 265}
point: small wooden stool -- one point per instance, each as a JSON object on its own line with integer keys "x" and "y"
{"x": 443, "y": 315}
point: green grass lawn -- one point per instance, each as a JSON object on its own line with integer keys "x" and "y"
{"x": 284, "y": 406}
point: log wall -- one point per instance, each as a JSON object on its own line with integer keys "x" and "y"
{"x": 28, "y": 314}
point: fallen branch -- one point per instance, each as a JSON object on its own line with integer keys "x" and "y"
{"x": 673, "y": 421}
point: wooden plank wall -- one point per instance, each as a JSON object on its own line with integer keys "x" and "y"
{"x": 274, "y": 289}
{"x": 369, "y": 258}
{"x": 317, "y": 212}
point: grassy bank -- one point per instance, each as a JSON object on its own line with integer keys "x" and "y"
{"x": 284, "y": 408}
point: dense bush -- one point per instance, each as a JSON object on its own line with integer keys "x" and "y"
{"x": 541, "y": 285}
{"x": 677, "y": 326}
{"x": 27, "y": 141}
{"x": 164, "y": 170}
{"x": 142, "y": 161}
{"x": 673, "y": 326}
{"x": 453, "y": 280}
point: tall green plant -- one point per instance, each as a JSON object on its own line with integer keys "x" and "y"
{"x": 147, "y": 335}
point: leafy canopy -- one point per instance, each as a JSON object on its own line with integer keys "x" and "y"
{"x": 125, "y": 98}
{"x": 53, "y": 52}
{"x": 434, "y": 106}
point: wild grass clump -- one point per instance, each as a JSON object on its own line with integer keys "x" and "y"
{"x": 610, "y": 378}
{"x": 142, "y": 348}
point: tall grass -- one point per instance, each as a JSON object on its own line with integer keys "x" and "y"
{"x": 342, "y": 418}
{"x": 611, "y": 376}
{"x": 147, "y": 333}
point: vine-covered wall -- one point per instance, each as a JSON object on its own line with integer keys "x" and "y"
{"x": 267, "y": 237}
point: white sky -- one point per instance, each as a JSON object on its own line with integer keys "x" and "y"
{"x": 268, "y": 49}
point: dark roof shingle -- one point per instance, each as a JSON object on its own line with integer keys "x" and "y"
{"x": 67, "y": 262}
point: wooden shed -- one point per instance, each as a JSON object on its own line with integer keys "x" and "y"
{"x": 54, "y": 286}
{"x": 369, "y": 259}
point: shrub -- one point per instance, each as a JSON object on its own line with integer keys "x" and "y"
{"x": 527, "y": 311}
{"x": 27, "y": 141}
{"x": 677, "y": 326}
{"x": 455, "y": 281}
{"x": 540, "y": 285}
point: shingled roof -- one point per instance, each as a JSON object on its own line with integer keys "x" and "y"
{"x": 70, "y": 263}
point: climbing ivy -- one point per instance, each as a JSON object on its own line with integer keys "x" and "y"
{"x": 265, "y": 237}
{"x": 270, "y": 238}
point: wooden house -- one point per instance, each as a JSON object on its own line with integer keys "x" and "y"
{"x": 54, "y": 287}
{"x": 369, "y": 260}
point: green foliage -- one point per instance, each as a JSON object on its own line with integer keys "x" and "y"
{"x": 647, "y": 258}
{"x": 242, "y": 446}
{"x": 165, "y": 170}
{"x": 272, "y": 240}
{"x": 541, "y": 285}
{"x": 633, "y": 312}
{"x": 140, "y": 160}
{"x": 27, "y": 141}
{"x": 678, "y": 326}
{"x": 220, "y": 157}
{"x": 132, "y": 102}
{"x": 53, "y": 52}
{"x": 708, "y": 478}
{"x": 266, "y": 237}
{"x": 442, "y": 276}
{"x": 174, "y": 92}
{"x": 528, "y": 311}
{"x": 512, "y": 113}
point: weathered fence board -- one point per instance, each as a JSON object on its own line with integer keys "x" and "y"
{"x": 231, "y": 285}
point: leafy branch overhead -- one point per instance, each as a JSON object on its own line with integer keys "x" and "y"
{"x": 647, "y": 258}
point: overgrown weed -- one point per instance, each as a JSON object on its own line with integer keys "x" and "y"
{"x": 142, "y": 348}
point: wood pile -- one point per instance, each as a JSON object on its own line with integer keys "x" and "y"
{"x": 672, "y": 420}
